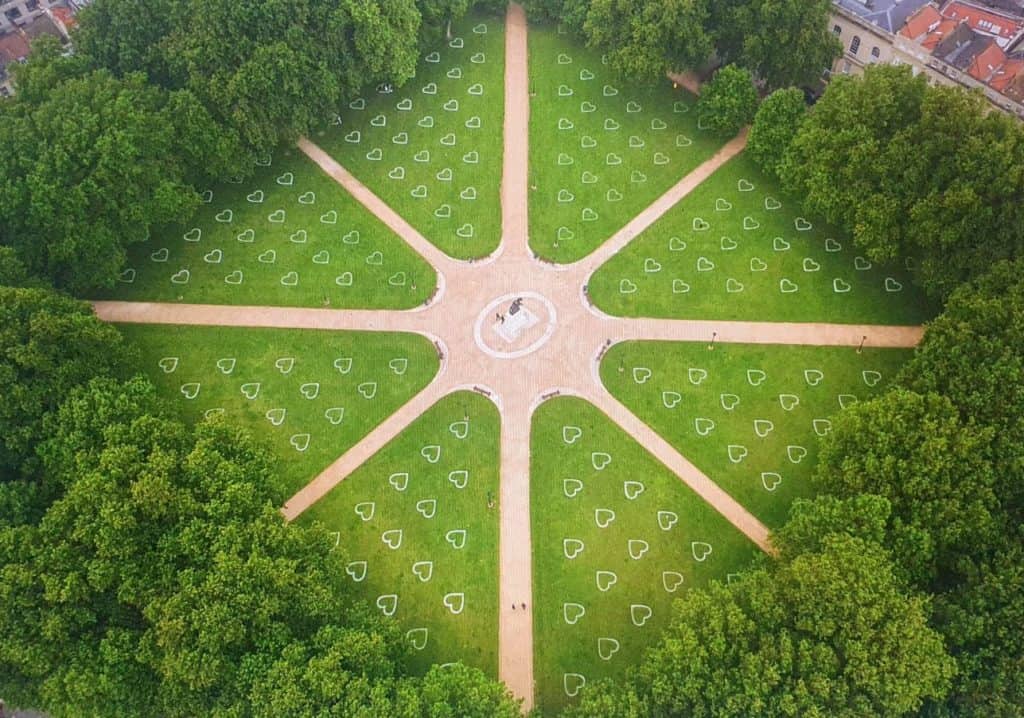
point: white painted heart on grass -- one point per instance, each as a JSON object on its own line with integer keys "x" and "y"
{"x": 639, "y": 614}
{"x": 388, "y": 603}
{"x": 168, "y": 364}
{"x": 788, "y": 402}
{"x": 729, "y": 401}
{"x": 459, "y": 429}
{"x": 603, "y": 517}
{"x": 763, "y": 427}
{"x": 796, "y": 453}
{"x": 456, "y": 537}
{"x": 368, "y": 389}
{"x": 335, "y": 414}
{"x": 392, "y": 538}
{"x": 365, "y": 510}
{"x": 191, "y": 390}
{"x": 871, "y": 377}
{"x": 667, "y": 519}
{"x": 770, "y": 480}
{"x": 343, "y": 364}
{"x": 600, "y": 460}
{"x": 399, "y": 481}
{"x": 671, "y": 580}
{"x": 572, "y": 683}
{"x": 250, "y": 390}
{"x": 398, "y": 365}
{"x": 426, "y": 508}
{"x": 671, "y": 399}
{"x": 737, "y": 453}
{"x": 700, "y": 550}
{"x": 276, "y": 416}
{"x": 703, "y": 426}
{"x": 572, "y": 613}
{"x": 637, "y": 548}
{"x": 813, "y": 377}
{"x": 696, "y": 375}
{"x": 300, "y": 442}
{"x": 355, "y": 569}
{"x": 459, "y": 478}
{"x": 432, "y": 453}
{"x": 571, "y": 487}
{"x": 607, "y": 647}
{"x": 641, "y": 374}
{"x": 572, "y": 548}
{"x": 310, "y": 390}
{"x": 632, "y": 489}
{"x": 605, "y": 580}
{"x": 821, "y": 426}
{"x": 423, "y": 570}
{"x": 570, "y": 434}
{"x": 226, "y": 365}
{"x": 454, "y": 602}
{"x": 417, "y": 637}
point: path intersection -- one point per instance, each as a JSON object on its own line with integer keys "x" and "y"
{"x": 550, "y": 345}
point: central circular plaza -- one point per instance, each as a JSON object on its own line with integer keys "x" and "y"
{"x": 515, "y": 325}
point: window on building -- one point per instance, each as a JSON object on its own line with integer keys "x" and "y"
{"x": 32, "y": 5}
{"x": 855, "y": 44}
{"x": 837, "y": 30}
{"x": 875, "y": 52}
{"x": 13, "y": 14}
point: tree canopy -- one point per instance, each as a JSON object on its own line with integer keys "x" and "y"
{"x": 49, "y": 345}
{"x": 775, "y": 125}
{"x": 95, "y": 162}
{"x": 913, "y": 172}
{"x": 728, "y": 101}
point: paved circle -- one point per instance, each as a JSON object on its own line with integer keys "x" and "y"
{"x": 487, "y": 340}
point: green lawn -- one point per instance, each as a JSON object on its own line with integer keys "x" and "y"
{"x": 313, "y": 394}
{"x": 289, "y": 236}
{"x": 433, "y": 149}
{"x": 401, "y": 499}
{"x": 665, "y": 526}
{"x": 737, "y": 248}
{"x": 749, "y": 416}
{"x": 601, "y": 150}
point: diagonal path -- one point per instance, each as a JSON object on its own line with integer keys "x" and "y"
{"x": 560, "y": 356}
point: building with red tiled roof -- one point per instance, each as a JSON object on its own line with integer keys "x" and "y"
{"x": 1003, "y": 26}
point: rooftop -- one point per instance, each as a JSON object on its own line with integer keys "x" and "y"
{"x": 889, "y": 15}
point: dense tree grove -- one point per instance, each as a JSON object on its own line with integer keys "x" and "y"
{"x": 782, "y": 42}
{"x": 913, "y": 172}
{"x": 99, "y": 161}
{"x": 775, "y": 125}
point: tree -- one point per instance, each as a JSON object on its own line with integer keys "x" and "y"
{"x": 645, "y": 38}
{"x": 973, "y": 354}
{"x": 571, "y": 13}
{"x": 776, "y": 123}
{"x": 49, "y": 344}
{"x": 783, "y": 42}
{"x": 933, "y": 469}
{"x": 437, "y": 15}
{"x": 827, "y": 634}
{"x": 97, "y": 162}
{"x": 728, "y": 101}
{"x": 269, "y": 71}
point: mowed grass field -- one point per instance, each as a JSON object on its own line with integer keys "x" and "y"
{"x": 287, "y": 236}
{"x": 601, "y": 150}
{"x": 616, "y": 538}
{"x": 419, "y": 526}
{"x": 432, "y": 150}
{"x": 308, "y": 395}
{"x": 737, "y": 248}
{"x": 748, "y": 416}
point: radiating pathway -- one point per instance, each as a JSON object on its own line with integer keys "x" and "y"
{"x": 563, "y": 363}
